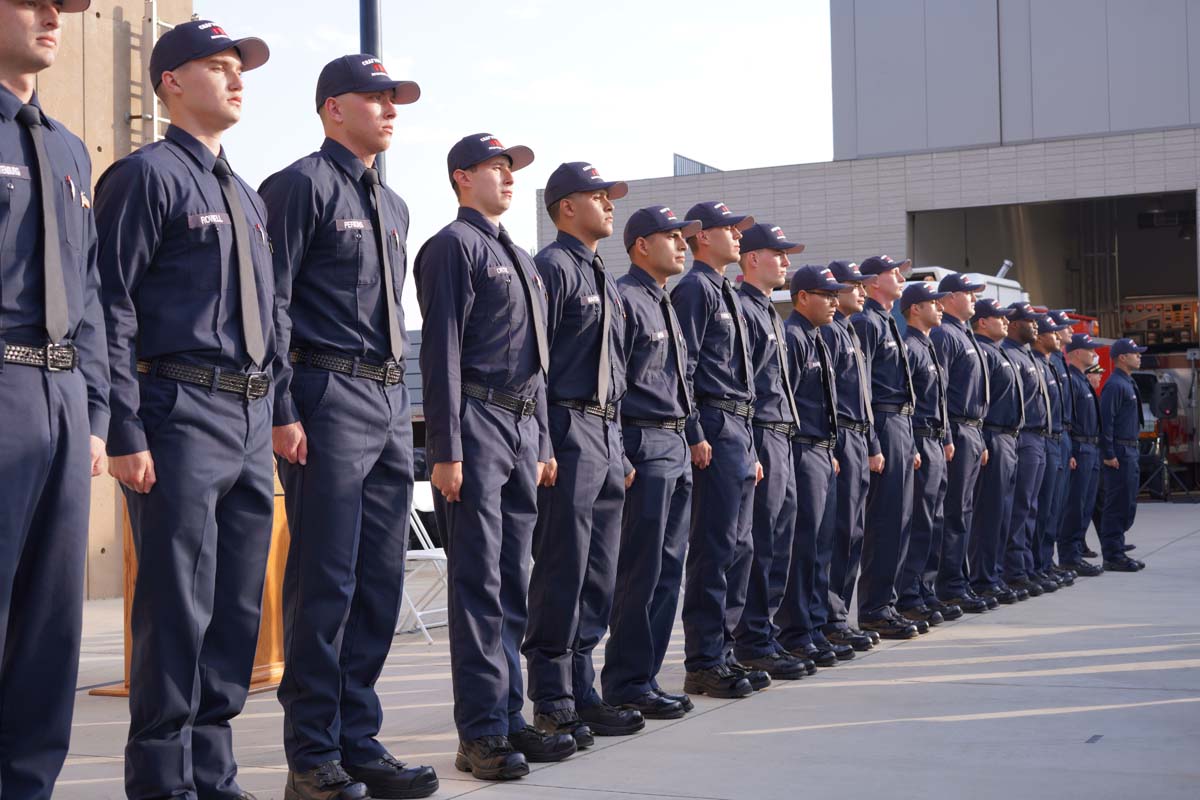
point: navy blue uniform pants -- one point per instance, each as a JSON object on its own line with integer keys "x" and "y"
{"x": 771, "y": 531}
{"x": 1064, "y": 489}
{"x": 719, "y": 546}
{"x": 45, "y": 484}
{"x": 202, "y": 535}
{"x": 850, "y": 509}
{"x": 1031, "y": 464}
{"x": 1081, "y": 499}
{"x": 805, "y": 607}
{"x": 575, "y": 546}
{"x": 347, "y": 512}
{"x": 993, "y": 512}
{"x": 1048, "y": 517}
{"x": 962, "y": 476}
{"x": 889, "y": 517}
{"x": 654, "y": 528}
{"x": 915, "y": 586}
{"x": 488, "y": 535}
{"x": 1120, "y": 500}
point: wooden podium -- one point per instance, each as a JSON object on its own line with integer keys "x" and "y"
{"x": 268, "y": 659}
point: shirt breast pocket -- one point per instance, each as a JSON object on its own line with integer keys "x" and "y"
{"x": 351, "y": 236}
{"x": 14, "y": 201}
{"x": 656, "y": 349}
{"x": 207, "y": 232}
{"x": 495, "y": 291}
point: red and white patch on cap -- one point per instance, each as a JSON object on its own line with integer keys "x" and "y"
{"x": 724, "y": 209}
{"x": 778, "y": 231}
{"x": 215, "y": 31}
{"x": 491, "y": 141}
{"x": 592, "y": 172}
{"x": 668, "y": 213}
{"x": 827, "y": 274}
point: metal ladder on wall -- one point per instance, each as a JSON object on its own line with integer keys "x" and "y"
{"x": 152, "y": 26}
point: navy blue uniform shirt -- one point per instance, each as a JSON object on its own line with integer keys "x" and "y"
{"x": 1025, "y": 362}
{"x": 770, "y": 403}
{"x": 883, "y": 353}
{"x": 715, "y": 363}
{"x": 1086, "y": 405}
{"x": 169, "y": 273}
{"x": 476, "y": 328}
{"x": 1054, "y": 389}
{"x": 22, "y": 275}
{"x": 1066, "y": 398}
{"x": 653, "y": 378}
{"x": 960, "y": 361}
{"x": 573, "y": 322}
{"x": 929, "y": 382}
{"x": 328, "y": 274}
{"x": 1120, "y": 413}
{"x": 809, "y": 380}
{"x": 852, "y": 396}
{"x": 1007, "y": 401}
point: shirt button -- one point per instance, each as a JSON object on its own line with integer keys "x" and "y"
{"x": 358, "y": 236}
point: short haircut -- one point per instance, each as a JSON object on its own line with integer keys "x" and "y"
{"x": 554, "y": 209}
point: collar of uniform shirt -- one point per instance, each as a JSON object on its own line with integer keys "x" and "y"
{"x": 192, "y": 146}
{"x": 710, "y": 272}
{"x": 954, "y": 322}
{"x": 874, "y": 305}
{"x": 647, "y": 281}
{"x": 575, "y": 247}
{"x": 922, "y": 335}
{"x": 838, "y": 316}
{"x": 340, "y": 155}
{"x": 10, "y": 104}
{"x": 809, "y": 329}
{"x": 752, "y": 292}
{"x": 479, "y": 221}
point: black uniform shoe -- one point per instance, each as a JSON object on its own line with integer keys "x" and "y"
{"x": 923, "y": 613}
{"x": 1085, "y": 570}
{"x": 719, "y": 681}
{"x": 949, "y": 611}
{"x": 921, "y": 625}
{"x": 327, "y": 781}
{"x": 1065, "y": 576}
{"x": 992, "y": 603}
{"x": 566, "y": 721}
{"x": 803, "y": 656}
{"x": 872, "y": 635}
{"x": 606, "y": 720}
{"x": 841, "y": 651}
{"x": 757, "y": 679}
{"x": 778, "y": 666}
{"x": 858, "y": 641}
{"x": 971, "y": 605}
{"x": 1128, "y": 547}
{"x": 1141, "y": 565}
{"x": 1121, "y": 563}
{"x": 653, "y": 705}
{"x": 889, "y": 628}
{"x": 1022, "y": 593}
{"x": 680, "y": 698}
{"x": 822, "y": 658}
{"x": 1089, "y": 553}
{"x": 1047, "y": 584}
{"x": 541, "y": 747}
{"x": 1046, "y": 575}
{"x": 388, "y": 778}
{"x": 492, "y": 758}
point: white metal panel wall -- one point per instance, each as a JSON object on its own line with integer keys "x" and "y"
{"x": 889, "y": 43}
{"x": 1148, "y": 65}
{"x": 961, "y": 73}
{"x": 1016, "y": 71}
{"x": 1070, "y": 67}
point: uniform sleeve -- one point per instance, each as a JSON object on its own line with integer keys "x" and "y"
{"x": 90, "y": 337}
{"x": 1110, "y": 404}
{"x": 868, "y": 343}
{"x": 131, "y": 207}
{"x": 445, "y": 294}
{"x": 691, "y": 308}
{"x": 1076, "y": 445}
{"x": 552, "y": 278}
{"x": 945, "y": 348}
{"x": 292, "y": 215}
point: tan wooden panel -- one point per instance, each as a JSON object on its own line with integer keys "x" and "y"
{"x": 60, "y": 88}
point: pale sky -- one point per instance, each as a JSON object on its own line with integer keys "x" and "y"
{"x": 623, "y": 84}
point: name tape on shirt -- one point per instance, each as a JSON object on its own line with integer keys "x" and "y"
{"x": 723, "y": 316}
{"x": 590, "y": 300}
{"x": 353, "y": 225}
{"x": 208, "y": 218}
{"x": 658, "y": 336}
{"x": 14, "y": 171}
{"x": 500, "y": 269}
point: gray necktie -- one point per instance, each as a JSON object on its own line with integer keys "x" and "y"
{"x": 732, "y": 304}
{"x": 55, "y": 289}
{"x": 604, "y": 369}
{"x": 1017, "y": 383}
{"x": 827, "y": 380}
{"x": 1041, "y": 377}
{"x": 987, "y": 380}
{"x": 895, "y": 329}
{"x": 685, "y": 402}
{"x": 535, "y": 308}
{"x": 370, "y": 179}
{"x": 781, "y": 352}
{"x": 943, "y": 407}
{"x": 252, "y": 329}
{"x": 864, "y": 382}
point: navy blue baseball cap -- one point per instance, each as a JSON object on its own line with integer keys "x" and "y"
{"x": 815, "y": 278}
{"x": 765, "y": 236}
{"x": 1123, "y": 347}
{"x": 202, "y": 38}
{"x": 470, "y": 150}
{"x": 848, "y": 272}
{"x": 362, "y": 72}
{"x": 877, "y": 265}
{"x": 918, "y": 292}
{"x": 1046, "y": 324}
{"x": 70, "y": 6}
{"x": 1061, "y": 318}
{"x": 1022, "y": 311}
{"x": 580, "y": 176}
{"x": 1082, "y": 341}
{"x": 714, "y": 214}
{"x": 958, "y": 282}
{"x": 988, "y": 307}
{"x": 656, "y": 219}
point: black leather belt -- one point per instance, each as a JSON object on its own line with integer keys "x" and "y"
{"x": 388, "y": 373}
{"x": 1127, "y": 442}
{"x": 1054, "y": 437}
{"x": 50, "y": 357}
{"x": 676, "y": 425}
{"x": 608, "y": 412}
{"x": 743, "y": 410}
{"x": 853, "y": 425}
{"x": 1036, "y": 431}
{"x": 250, "y": 385}
{"x": 1001, "y": 429}
{"x": 905, "y": 410}
{"x": 930, "y": 433}
{"x": 968, "y": 421}
{"x": 828, "y": 444}
{"x": 525, "y": 406}
{"x": 788, "y": 429}
{"x": 1085, "y": 439}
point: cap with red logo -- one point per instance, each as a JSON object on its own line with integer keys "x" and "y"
{"x": 713, "y": 214}
{"x": 1082, "y": 341}
{"x": 765, "y": 236}
{"x": 877, "y": 265}
{"x": 580, "y": 176}
{"x": 815, "y": 278}
{"x": 470, "y": 150}
{"x": 69, "y": 6}
{"x": 362, "y": 73}
{"x": 202, "y": 38}
{"x": 656, "y": 219}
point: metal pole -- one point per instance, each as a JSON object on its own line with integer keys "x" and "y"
{"x": 370, "y": 32}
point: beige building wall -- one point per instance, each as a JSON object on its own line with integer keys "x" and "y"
{"x": 98, "y": 88}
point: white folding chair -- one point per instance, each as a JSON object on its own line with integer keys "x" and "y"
{"x": 424, "y": 558}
